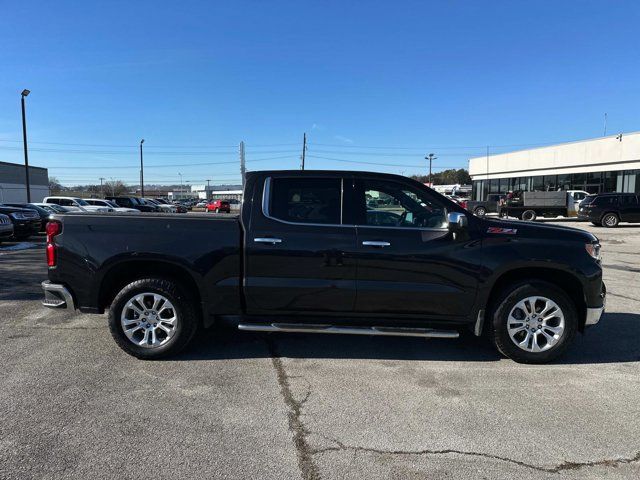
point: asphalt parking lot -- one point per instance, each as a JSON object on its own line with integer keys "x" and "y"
{"x": 241, "y": 405}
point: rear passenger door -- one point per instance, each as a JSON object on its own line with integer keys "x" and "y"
{"x": 299, "y": 252}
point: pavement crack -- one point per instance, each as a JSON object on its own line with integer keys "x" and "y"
{"x": 308, "y": 468}
{"x": 555, "y": 469}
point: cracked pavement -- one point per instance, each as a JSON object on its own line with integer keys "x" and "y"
{"x": 242, "y": 405}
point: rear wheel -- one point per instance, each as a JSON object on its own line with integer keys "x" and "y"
{"x": 152, "y": 318}
{"x": 610, "y": 220}
{"x": 480, "y": 211}
{"x": 529, "y": 215}
{"x": 534, "y": 322}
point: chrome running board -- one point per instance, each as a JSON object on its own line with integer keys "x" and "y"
{"x": 388, "y": 331}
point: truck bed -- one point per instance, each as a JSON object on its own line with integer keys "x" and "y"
{"x": 98, "y": 252}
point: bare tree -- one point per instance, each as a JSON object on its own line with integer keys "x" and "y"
{"x": 115, "y": 188}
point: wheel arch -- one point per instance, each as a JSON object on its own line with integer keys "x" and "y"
{"x": 564, "y": 280}
{"x": 125, "y": 272}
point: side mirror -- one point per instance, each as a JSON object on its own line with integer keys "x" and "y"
{"x": 457, "y": 221}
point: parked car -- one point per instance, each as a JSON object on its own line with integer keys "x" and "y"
{"x": 99, "y": 202}
{"x": 201, "y": 204}
{"x": 161, "y": 206}
{"x": 219, "y": 206}
{"x": 301, "y": 257}
{"x": 132, "y": 202}
{"x": 609, "y": 209}
{"x": 42, "y": 212}
{"x": 490, "y": 205}
{"x": 52, "y": 207}
{"x": 6, "y": 228}
{"x": 26, "y": 222}
{"x": 76, "y": 204}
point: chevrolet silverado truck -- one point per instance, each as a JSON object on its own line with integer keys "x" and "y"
{"x": 328, "y": 252}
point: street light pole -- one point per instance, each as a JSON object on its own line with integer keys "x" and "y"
{"x": 181, "y": 189}
{"x": 101, "y": 187}
{"x": 208, "y": 188}
{"x": 25, "y": 92}
{"x": 141, "y": 171}
{"x": 431, "y": 157}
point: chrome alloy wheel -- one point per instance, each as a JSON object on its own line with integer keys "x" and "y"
{"x": 149, "y": 320}
{"x": 535, "y": 324}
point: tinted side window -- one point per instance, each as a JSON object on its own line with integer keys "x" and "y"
{"x": 306, "y": 200}
{"x": 629, "y": 200}
{"x": 65, "y": 202}
{"x": 606, "y": 201}
{"x": 53, "y": 200}
{"x": 392, "y": 204}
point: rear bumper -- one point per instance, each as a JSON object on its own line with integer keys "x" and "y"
{"x": 57, "y": 296}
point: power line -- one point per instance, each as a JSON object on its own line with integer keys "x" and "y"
{"x": 373, "y": 163}
{"x": 231, "y": 162}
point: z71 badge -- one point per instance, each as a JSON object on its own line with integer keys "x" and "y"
{"x": 506, "y": 231}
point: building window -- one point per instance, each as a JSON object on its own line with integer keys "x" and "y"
{"x": 610, "y": 181}
{"x": 550, "y": 182}
{"x": 537, "y": 183}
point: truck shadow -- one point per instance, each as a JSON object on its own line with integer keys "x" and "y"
{"x": 615, "y": 340}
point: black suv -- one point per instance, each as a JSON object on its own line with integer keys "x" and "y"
{"x": 26, "y": 222}
{"x": 609, "y": 209}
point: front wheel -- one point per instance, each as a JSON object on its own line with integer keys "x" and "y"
{"x": 152, "y": 318}
{"x": 529, "y": 215}
{"x": 534, "y": 322}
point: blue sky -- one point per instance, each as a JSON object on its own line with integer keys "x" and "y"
{"x": 196, "y": 78}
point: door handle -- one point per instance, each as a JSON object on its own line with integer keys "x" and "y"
{"x": 370, "y": 243}
{"x": 270, "y": 240}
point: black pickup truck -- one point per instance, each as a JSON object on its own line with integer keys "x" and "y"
{"x": 329, "y": 252}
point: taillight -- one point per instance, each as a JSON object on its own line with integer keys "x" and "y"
{"x": 53, "y": 228}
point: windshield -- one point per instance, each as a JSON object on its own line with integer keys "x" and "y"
{"x": 588, "y": 199}
{"x": 111, "y": 203}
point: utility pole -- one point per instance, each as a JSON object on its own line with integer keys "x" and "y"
{"x": 208, "y": 188}
{"x": 431, "y": 157}
{"x": 605, "y": 125}
{"x": 304, "y": 149}
{"x": 243, "y": 169}
{"x": 141, "y": 171}
{"x": 101, "y": 187}
{"x": 25, "y": 92}
{"x": 181, "y": 189}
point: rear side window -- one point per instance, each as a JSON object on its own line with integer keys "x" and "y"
{"x": 629, "y": 200}
{"x": 306, "y": 200}
{"x": 53, "y": 200}
{"x": 606, "y": 201}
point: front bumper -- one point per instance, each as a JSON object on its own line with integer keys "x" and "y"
{"x": 594, "y": 314}
{"x": 57, "y": 296}
{"x": 6, "y": 230}
{"x": 23, "y": 227}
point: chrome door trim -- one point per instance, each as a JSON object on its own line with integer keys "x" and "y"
{"x": 374, "y": 243}
{"x": 270, "y": 240}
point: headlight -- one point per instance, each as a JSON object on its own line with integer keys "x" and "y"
{"x": 18, "y": 216}
{"x": 593, "y": 249}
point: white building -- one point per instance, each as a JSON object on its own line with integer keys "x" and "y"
{"x": 606, "y": 164}
{"x": 217, "y": 192}
{"x": 13, "y": 186}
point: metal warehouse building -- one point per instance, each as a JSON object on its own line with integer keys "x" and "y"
{"x": 606, "y": 164}
{"x": 13, "y": 185}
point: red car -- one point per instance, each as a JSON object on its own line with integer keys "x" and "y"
{"x": 219, "y": 206}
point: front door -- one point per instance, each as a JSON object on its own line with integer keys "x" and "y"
{"x": 408, "y": 260}
{"x": 299, "y": 253}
